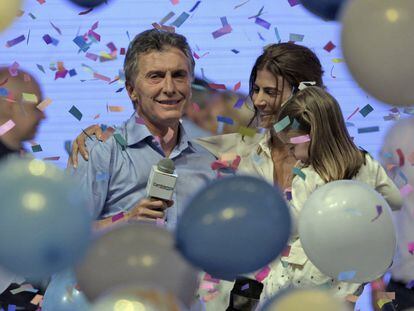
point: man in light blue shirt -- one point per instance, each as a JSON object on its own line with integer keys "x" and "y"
{"x": 159, "y": 69}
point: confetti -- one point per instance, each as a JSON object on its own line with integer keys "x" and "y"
{"x": 222, "y": 31}
{"x": 11, "y": 308}
{"x": 401, "y": 159}
{"x": 224, "y": 21}
{"x": 286, "y": 251}
{"x": 241, "y": 4}
{"x": 332, "y": 75}
{"x": 262, "y": 23}
{"x": 117, "y": 217}
{"x": 235, "y": 51}
{"x": 40, "y": 67}
{"x": 262, "y": 274}
{"x": 379, "y": 212}
{"x": 297, "y": 171}
{"x": 76, "y": 113}
{"x": 15, "y": 41}
{"x": 36, "y": 299}
{"x": 50, "y": 40}
{"x": 410, "y": 247}
{"x": 329, "y": 46}
{"x": 338, "y": 60}
{"x": 363, "y": 130}
{"x": 216, "y": 86}
{"x": 366, "y": 110}
{"x": 30, "y": 98}
{"x": 224, "y": 119}
{"x": 293, "y": 2}
{"x": 92, "y": 56}
{"x": 101, "y": 77}
{"x": 300, "y": 139}
{"x": 277, "y": 35}
{"x": 260, "y": 36}
{"x": 245, "y": 286}
{"x": 195, "y": 6}
{"x": 239, "y": 103}
{"x": 346, "y": 275}
{"x": 237, "y": 86}
{"x": 86, "y": 12}
{"x": 51, "y": 158}
{"x": 410, "y": 284}
{"x": 81, "y": 43}
{"x": 4, "y": 128}
{"x": 175, "y": 2}
{"x": 56, "y": 28}
{"x": 166, "y": 18}
{"x": 180, "y": 20}
{"x": 352, "y": 114}
{"x": 32, "y": 16}
{"x": 37, "y": 148}
{"x": 296, "y": 37}
{"x": 116, "y": 108}
{"x": 120, "y": 140}
{"x": 72, "y": 72}
{"x": 282, "y": 124}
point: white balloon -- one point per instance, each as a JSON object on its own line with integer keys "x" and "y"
{"x": 343, "y": 233}
{"x": 378, "y": 45}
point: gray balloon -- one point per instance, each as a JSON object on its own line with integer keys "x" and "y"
{"x": 136, "y": 254}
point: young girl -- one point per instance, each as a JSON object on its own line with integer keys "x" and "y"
{"x": 317, "y": 137}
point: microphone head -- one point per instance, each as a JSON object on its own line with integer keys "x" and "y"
{"x": 166, "y": 166}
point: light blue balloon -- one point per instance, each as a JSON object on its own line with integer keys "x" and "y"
{"x": 45, "y": 225}
{"x": 235, "y": 225}
{"x": 61, "y": 294}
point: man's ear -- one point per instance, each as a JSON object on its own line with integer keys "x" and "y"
{"x": 131, "y": 92}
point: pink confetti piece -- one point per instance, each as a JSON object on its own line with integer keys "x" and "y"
{"x": 207, "y": 285}
{"x": 41, "y": 1}
{"x": 101, "y": 77}
{"x": 379, "y": 212}
{"x": 217, "y": 86}
{"x": 352, "y": 114}
{"x": 51, "y": 158}
{"x": 237, "y": 86}
{"x": 117, "y": 217}
{"x": 15, "y": 41}
{"x": 410, "y": 247}
{"x": 300, "y": 139}
{"x": 175, "y": 2}
{"x": 222, "y": 31}
{"x": 329, "y": 46}
{"x": 6, "y": 127}
{"x": 92, "y": 56}
{"x": 262, "y": 274}
{"x": 209, "y": 278}
{"x": 286, "y": 251}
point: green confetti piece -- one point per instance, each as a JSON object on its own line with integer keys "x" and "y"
{"x": 297, "y": 171}
{"x": 246, "y": 131}
{"x": 366, "y": 110}
{"x": 30, "y": 98}
{"x": 282, "y": 124}
{"x": 296, "y": 37}
{"x": 76, "y": 113}
{"x": 120, "y": 140}
{"x": 37, "y": 148}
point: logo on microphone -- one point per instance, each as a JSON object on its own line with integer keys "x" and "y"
{"x": 163, "y": 187}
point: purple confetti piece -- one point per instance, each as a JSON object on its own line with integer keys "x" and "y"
{"x": 15, "y": 41}
{"x": 111, "y": 46}
{"x": 224, "y": 21}
{"x": 226, "y": 120}
{"x": 92, "y": 56}
{"x": 222, "y": 31}
{"x": 47, "y": 39}
{"x": 117, "y": 217}
{"x": 245, "y": 286}
{"x": 262, "y": 23}
{"x": 379, "y": 212}
{"x": 239, "y": 103}
{"x": 293, "y": 2}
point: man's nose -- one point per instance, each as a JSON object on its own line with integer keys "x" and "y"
{"x": 169, "y": 86}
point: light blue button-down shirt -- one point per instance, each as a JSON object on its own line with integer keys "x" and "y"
{"x": 116, "y": 176}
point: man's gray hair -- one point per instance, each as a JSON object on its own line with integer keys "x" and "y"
{"x": 154, "y": 40}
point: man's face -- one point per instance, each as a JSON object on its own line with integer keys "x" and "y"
{"x": 162, "y": 86}
{"x": 26, "y": 116}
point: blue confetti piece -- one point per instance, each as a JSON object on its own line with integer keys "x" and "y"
{"x": 72, "y": 72}
{"x": 282, "y": 124}
{"x": 224, "y": 21}
{"x": 3, "y": 91}
{"x": 81, "y": 43}
{"x": 76, "y": 113}
{"x": 297, "y": 171}
{"x": 277, "y": 35}
{"x": 371, "y": 129}
{"x": 226, "y": 120}
{"x": 262, "y": 22}
{"x": 180, "y": 19}
{"x": 235, "y": 51}
{"x": 195, "y": 6}
{"x": 346, "y": 275}
{"x": 11, "y": 308}
{"x": 119, "y": 90}
{"x": 296, "y": 37}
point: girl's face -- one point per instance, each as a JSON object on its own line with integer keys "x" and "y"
{"x": 297, "y": 143}
{"x": 267, "y": 98}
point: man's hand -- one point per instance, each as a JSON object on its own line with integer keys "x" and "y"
{"x": 79, "y": 145}
{"x": 149, "y": 209}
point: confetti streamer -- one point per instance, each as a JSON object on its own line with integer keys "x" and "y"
{"x": 76, "y": 113}
{"x": 28, "y": 38}
{"x": 332, "y": 75}
{"x": 400, "y": 157}
{"x": 262, "y": 22}
{"x": 180, "y": 20}
{"x": 224, "y": 119}
{"x": 297, "y": 171}
{"x": 4, "y": 128}
{"x": 277, "y": 35}
{"x": 371, "y": 129}
{"x": 86, "y": 12}
{"x": 300, "y": 139}
{"x": 241, "y": 4}
{"x": 56, "y": 28}
{"x": 379, "y": 212}
{"x": 282, "y": 124}
{"x": 15, "y": 41}
{"x": 195, "y": 6}
{"x": 352, "y": 114}
{"x": 366, "y": 110}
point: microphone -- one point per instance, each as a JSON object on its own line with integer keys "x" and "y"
{"x": 162, "y": 179}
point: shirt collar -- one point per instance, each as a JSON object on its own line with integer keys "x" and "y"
{"x": 136, "y": 132}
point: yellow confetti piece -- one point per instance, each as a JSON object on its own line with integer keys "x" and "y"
{"x": 245, "y": 131}
{"x": 43, "y": 105}
{"x": 36, "y": 299}
{"x": 115, "y": 108}
{"x": 381, "y": 302}
{"x": 30, "y": 98}
{"x": 105, "y": 55}
{"x": 338, "y": 60}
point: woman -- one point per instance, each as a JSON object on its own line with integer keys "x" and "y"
{"x": 275, "y": 76}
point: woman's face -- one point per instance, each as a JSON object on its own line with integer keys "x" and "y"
{"x": 267, "y": 98}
